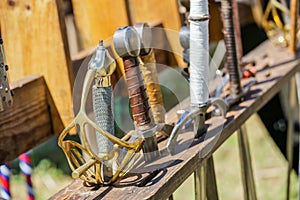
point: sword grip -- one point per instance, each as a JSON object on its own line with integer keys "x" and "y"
{"x": 148, "y": 67}
{"x": 137, "y": 93}
{"x": 103, "y": 112}
{"x": 230, "y": 43}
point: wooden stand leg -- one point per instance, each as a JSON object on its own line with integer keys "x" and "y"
{"x": 246, "y": 165}
{"x": 298, "y": 101}
{"x": 205, "y": 181}
{"x": 211, "y": 187}
{"x": 290, "y": 133}
{"x": 171, "y": 197}
{"x": 200, "y": 182}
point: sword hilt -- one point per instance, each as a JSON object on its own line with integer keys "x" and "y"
{"x": 148, "y": 67}
{"x": 102, "y": 97}
{"x": 137, "y": 93}
{"x": 127, "y": 45}
{"x": 231, "y": 49}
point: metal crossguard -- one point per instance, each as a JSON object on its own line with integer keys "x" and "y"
{"x": 84, "y": 163}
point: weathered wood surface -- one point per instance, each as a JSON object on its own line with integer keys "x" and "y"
{"x": 28, "y": 122}
{"x": 98, "y": 19}
{"x": 177, "y": 168}
{"x": 35, "y": 41}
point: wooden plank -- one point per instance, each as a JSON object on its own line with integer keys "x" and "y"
{"x": 35, "y": 42}
{"x": 98, "y": 19}
{"x": 28, "y": 122}
{"x": 270, "y": 80}
{"x": 145, "y": 11}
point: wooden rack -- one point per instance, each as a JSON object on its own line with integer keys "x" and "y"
{"x": 276, "y": 67}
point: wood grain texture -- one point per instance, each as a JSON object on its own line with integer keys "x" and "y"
{"x": 28, "y": 122}
{"x": 165, "y": 11}
{"x": 98, "y": 19}
{"x": 35, "y": 43}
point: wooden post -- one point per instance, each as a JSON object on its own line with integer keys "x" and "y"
{"x": 36, "y": 43}
{"x": 200, "y": 182}
{"x": 29, "y": 121}
{"x": 294, "y": 25}
{"x": 290, "y": 133}
{"x": 246, "y": 165}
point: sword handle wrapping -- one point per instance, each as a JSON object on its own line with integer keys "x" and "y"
{"x": 149, "y": 72}
{"x": 104, "y": 118}
{"x": 230, "y": 43}
{"x": 137, "y": 93}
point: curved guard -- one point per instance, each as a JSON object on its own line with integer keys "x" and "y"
{"x": 83, "y": 162}
{"x": 218, "y": 102}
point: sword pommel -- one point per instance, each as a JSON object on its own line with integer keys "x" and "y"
{"x": 127, "y": 42}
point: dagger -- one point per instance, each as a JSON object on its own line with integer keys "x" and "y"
{"x": 127, "y": 45}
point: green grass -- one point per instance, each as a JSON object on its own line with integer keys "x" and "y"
{"x": 270, "y": 169}
{"x": 47, "y": 180}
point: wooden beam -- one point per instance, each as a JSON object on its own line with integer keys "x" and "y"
{"x": 98, "y": 19}
{"x": 28, "y": 122}
{"x": 35, "y": 42}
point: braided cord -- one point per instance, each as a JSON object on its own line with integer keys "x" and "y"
{"x": 230, "y": 43}
{"x": 103, "y": 111}
{"x": 26, "y": 169}
{"x": 149, "y": 72}
{"x": 4, "y": 178}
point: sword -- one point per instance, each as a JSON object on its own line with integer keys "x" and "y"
{"x": 127, "y": 45}
{"x": 237, "y": 92}
{"x": 148, "y": 67}
{"x": 115, "y": 156}
{"x": 102, "y": 97}
{"x": 199, "y": 73}
{"x": 6, "y": 94}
